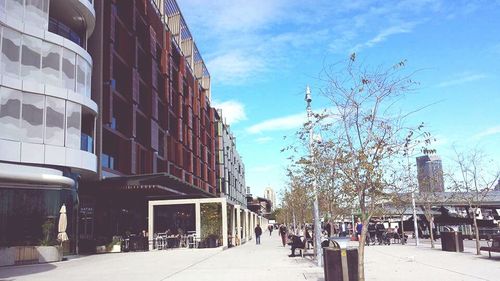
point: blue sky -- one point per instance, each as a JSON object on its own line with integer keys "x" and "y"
{"x": 261, "y": 54}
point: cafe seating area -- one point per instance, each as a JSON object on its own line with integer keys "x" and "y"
{"x": 164, "y": 241}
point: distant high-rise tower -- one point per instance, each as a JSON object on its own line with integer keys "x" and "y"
{"x": 271, "y": 196}
{"x": 430, "y": 174}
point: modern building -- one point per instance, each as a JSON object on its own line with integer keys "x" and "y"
{"x": 259, "y": 205}
{"x": 430, "y": 174}
{"x": 156, "y": 132}
{"x": 105, "y": 107}
{"x": 158, "y": 136}
{"x": 270, "y": 195}
{"x": 47, "y": 116}
{"x": 231, "y": 170}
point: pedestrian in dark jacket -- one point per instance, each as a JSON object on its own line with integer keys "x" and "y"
{"x": 282, "y": 231}
{"x": 258, "y": 233}
{"x": 296, "y": 242}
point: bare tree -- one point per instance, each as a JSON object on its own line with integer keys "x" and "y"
{"x": 368, "y": 131}
{"x": 473, "y": 182}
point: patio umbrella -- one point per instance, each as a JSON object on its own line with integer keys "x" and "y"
{"x": 63, "y": 223}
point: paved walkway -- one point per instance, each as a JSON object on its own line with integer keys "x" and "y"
{"x": 407, "y": 262}
{"x": 268, "y": 261}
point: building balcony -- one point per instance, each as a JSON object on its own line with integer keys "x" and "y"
{"x": 79, "y": 15}
{"x": 59, "y": 28}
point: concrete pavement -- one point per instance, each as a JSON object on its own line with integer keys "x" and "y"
{"x": 268, "y": 261}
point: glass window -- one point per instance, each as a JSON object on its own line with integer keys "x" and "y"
{"x": 32, "y": 118}
{"x": 73, "y": 125}
{"x": 54, "y": 121}
{"x": 88, "y": 88}
{"x": 51, "y": 64}
{"x": 30, "y": 58}
{"x": 2, "y": 6}
{"x": 68, "y": 69}
{"x": 36, "y": 12}
{"x": 15, "y": 8}
{"x": 10, "y": 113}
{"x": 11, "y": 46}
{"x": 80, "y": 75}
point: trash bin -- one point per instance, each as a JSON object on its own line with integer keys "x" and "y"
{"x": 340, "y": 262}
{"x": 452, "y": 241}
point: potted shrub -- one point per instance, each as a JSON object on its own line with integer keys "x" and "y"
{"x": 49, "y": 250}
{"x": 112, "y": 247}
{"x": 115, "y": 245}
{"x": 212, "y": 240}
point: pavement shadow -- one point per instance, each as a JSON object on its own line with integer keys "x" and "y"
{"x": 22, "y": 270}
{"x": 494, "y": 258}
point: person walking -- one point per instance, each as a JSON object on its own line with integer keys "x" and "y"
{"x": 282, "y": 232}
{"x": 270, "y": 228}
{"x": 258, "y": 233}
{"x": 359, "y": 229}
{"x": 380, "y": 229}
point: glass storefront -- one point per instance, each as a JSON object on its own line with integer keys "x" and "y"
{"x": 29, "y": 215}
{"x": 174, "y": 218}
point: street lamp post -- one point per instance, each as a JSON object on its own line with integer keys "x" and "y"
{"x": 317, "y": 223}
{"x": 415, "y": 225}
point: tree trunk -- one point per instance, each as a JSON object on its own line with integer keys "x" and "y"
{"x": 476, "y": 231}
{"x": 431, "y": 227}
{"x": 361, "y": 252}
{"x": 402, "y": 231}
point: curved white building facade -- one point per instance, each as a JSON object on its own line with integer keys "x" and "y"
{"x": 47, "y": 116}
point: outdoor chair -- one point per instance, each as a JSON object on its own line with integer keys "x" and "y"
{"x": 183, "y": 242}
{"x": 192, "y": 241}
{"x": 160, "y": 242}
{"x": 396, "y": 238}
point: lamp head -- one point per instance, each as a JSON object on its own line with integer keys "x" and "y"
{"x": 308, "y": 95}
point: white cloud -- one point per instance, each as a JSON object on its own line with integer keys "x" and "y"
{"x": 488, "y": 132}
{"x": 263, "y": 169}
{"x": 278, "y": 124}
{"x": 233, "y": 15}
{"x": 234, "y": 67}
{"x": 263, "y": 140}
{"x": 384, "y": 34}
{"x": 461, "y": 79}
{"x": 232, "y": 111}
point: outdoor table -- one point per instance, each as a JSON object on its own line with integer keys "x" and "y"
{"x": 172, "y": 241}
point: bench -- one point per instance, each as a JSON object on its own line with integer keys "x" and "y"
{"x": 493, "y": 247}
{"x": 296, "y": 243}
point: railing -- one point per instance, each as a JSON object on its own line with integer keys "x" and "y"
{"x": 63, "y": 30}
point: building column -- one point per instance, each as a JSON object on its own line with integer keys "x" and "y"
{"x": 247, "y": 225}
{"x": 238, "y": 224}
{"x": 151, "y": 222}
{"x": 233, "y": 225}
{"x": 224, "y": 224}
{"x": 197, "y": 211}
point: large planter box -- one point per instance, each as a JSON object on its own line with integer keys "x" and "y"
{"x": 30, "y": 254}
{"x": 49, "y": 253}
{"x": 103, "y": 249}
